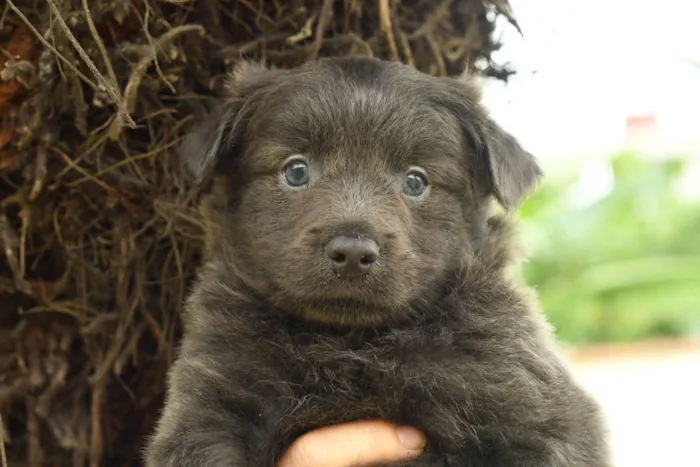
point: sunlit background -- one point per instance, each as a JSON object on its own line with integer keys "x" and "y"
{"x": 607, "y": 95}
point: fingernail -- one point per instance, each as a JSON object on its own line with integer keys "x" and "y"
{"x": 410, "y": 437}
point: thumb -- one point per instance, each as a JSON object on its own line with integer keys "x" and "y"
{"x": 367, "y": 442}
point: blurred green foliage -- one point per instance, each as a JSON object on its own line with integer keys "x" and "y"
{"x": 625, "y": 266}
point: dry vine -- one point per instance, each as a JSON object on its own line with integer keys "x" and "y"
{"x": 99, "y": 237}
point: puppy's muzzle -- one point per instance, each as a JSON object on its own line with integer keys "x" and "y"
{"x": 352, "y": 256}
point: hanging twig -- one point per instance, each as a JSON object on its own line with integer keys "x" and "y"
{"x": 110, "y": 88}
{"x": 324, "y": 18}
{"x": 48, "y": 45}
{"x": 100, "y": 45}
{"x": 3, "y": 454}
{"x": 385, "y": 24}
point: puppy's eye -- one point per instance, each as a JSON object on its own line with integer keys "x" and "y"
{"x": 415, "y": 184}
{"x": 296, "y": 173}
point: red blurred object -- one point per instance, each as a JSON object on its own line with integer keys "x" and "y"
{"x": 641, "y": 123}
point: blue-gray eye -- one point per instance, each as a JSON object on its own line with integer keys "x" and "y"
{"x": 296, "y": 173}
{"x": 415, "y": 184}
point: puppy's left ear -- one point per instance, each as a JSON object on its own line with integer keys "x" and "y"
{"x": 498, "y": 161}
{"x": 514, "y": 172}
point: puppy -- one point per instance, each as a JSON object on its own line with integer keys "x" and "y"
{"x": 353, "y": 270}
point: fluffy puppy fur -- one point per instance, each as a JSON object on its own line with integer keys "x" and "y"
{"x": 436, "y": 335}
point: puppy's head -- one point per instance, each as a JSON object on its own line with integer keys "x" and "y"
{"x": 349, "y": 190}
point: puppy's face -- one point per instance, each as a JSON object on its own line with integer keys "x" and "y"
{"x": 348, "y": 191}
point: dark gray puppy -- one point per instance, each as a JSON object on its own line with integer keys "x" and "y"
{"x": 353, "y": 270}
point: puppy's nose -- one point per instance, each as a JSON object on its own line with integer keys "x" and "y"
{"x": 352, "y": 256}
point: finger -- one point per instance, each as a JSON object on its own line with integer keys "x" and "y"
{"x": 354, "y": 444}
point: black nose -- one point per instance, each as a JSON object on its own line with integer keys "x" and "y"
{"x": 352, "y": 256}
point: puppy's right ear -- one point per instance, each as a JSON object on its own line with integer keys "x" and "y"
{"x": 221, "y": 133}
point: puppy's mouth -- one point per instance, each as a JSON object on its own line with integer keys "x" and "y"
{"x": 365, "y": 301}
{"x": 344, "y": 312}
{"x": 342, "y": 302}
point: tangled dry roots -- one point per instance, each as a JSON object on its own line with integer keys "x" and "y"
{"x": 98, "y": 233}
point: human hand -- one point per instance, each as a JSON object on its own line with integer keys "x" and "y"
{"x": 361, "y": 443}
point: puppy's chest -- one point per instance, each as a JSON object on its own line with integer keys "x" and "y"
{"x": 434, "y": 382}
{"x": 343, "y": 380}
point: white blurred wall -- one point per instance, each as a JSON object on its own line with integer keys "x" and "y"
{"x": 598, "y": 62}
{"x": 651, "y": 403}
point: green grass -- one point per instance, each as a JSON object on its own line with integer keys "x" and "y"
{"x": 625, "y": 267}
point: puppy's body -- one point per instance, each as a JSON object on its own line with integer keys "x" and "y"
{"x": 279, "y": 340}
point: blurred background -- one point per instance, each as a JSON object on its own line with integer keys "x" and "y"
{"x": 607, "y": 95}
